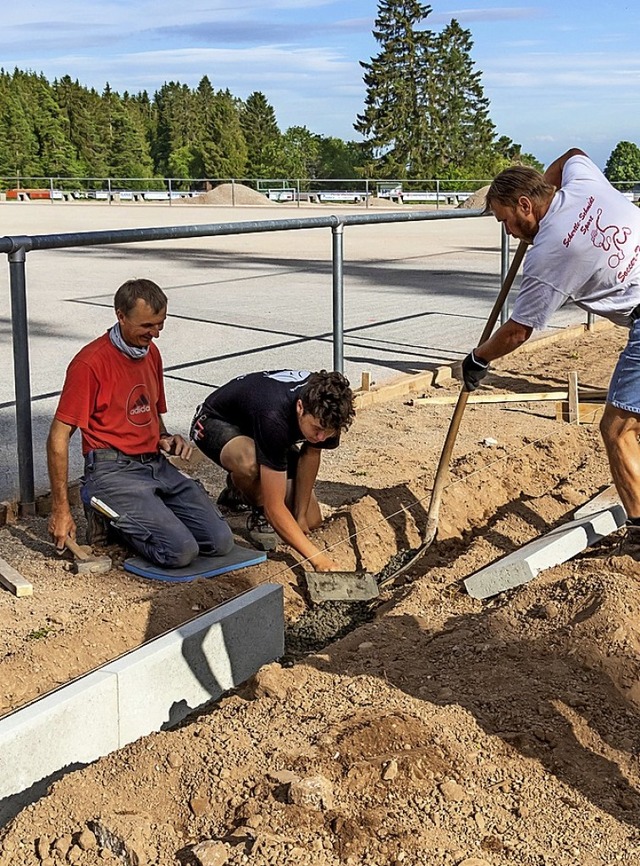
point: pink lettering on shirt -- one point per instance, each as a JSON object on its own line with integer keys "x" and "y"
{"x": 610, "y": 238}
{"x": 577, "y": 226}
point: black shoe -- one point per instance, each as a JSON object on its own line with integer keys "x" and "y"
{"x": 630, "y": 542}
{"x": 261, "y": 532}
{"x": 98, "y": 527}
{"x": 231, "y": 499}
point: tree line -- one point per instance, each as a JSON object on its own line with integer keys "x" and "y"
{"x": 63, "y": 129}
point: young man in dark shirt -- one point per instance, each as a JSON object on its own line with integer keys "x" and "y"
{"x": 268, "y": 430}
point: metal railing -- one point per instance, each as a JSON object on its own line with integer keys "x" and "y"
{"x": 16, "y": 248}
{"x": 330, "y": 191}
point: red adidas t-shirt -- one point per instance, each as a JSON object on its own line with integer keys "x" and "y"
{"x": 115, "y": 401}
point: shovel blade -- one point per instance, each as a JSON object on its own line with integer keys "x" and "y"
{"x": 341, "y": 586}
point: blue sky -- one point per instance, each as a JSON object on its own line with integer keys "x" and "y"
{"x": 558, "y": 74}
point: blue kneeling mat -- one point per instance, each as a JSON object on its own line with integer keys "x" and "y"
{"x": 202, "y": 566}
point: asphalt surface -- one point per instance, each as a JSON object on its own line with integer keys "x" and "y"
{"x": 417, "y": 295}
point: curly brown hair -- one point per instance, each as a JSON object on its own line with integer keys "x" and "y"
{"x": 328, "y": 397}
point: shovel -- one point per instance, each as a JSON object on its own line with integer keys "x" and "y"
{"x": 361, "y": 586}
{"x": 445, "y": 458}
{"x": 341, "y": 586}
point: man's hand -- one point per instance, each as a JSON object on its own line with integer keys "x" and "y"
{"x": 61, "y": 524}
{"x": 322, "y": 562}
{"x": 176, "y": 446}
{"x": 474, "y": 370}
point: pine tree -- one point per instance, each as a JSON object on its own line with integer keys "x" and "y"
{"x": 81, "y": 110}
{"x": 177, "y": 124}
{"x": 425, "y": 114}
{"x": 260, "y": 128}
{"x": 392, "y": 122}
{"x": 465, "y": 132}
{"x": 225, "y": 148}
{"x": 18, "y": 140}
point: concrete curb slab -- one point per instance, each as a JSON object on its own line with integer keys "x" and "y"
{"x": 557, "y": 546}
{"x": 146, "y": 690}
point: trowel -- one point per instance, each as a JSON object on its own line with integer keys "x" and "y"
{"x": 341, "y": 586}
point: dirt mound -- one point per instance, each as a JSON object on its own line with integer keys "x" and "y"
{"x": 230, "y": 194}
{"x": 477, "y": 200}
{"x": 441, "y": 730}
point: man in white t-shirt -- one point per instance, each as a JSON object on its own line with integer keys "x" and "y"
{"x": 585, "y": 247}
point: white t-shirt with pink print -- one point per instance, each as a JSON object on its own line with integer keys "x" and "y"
{"x": 587, "y": 250}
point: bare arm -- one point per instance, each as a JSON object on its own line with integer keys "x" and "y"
{"x": 308, "y": 466}
{"x": 505, "y": 340}
{"x": 553, "y": 173}
{"x": 61, "y": 523}
{"x": 274, "y": 488}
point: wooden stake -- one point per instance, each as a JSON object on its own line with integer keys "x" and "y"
{"x": 574, "y": 405}
{"x": 365, "y": 381}
{"x": 14, "y": 581}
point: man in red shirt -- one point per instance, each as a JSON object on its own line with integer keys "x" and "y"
{"x": 114, "y": 393}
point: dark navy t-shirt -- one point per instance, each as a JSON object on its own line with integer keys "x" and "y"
{"x": 263, "y": 406}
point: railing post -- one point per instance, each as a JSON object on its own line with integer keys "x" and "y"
{"x": 169, "y": 188}
{"x": 22, "y": 379}
{"x": 504, "y": 267}
{"x": 337, "y": 235}
{"x": 109, "y": 189}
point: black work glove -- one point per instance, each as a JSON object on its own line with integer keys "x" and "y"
{"x": 473, "y": 371}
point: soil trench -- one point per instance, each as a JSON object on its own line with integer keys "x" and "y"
{"x": 430, "y": 728}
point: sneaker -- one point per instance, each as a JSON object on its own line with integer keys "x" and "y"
{"x": 231, "y": 499}
{"x": 630, "y": 542}
{"x": 261, "y": 532}
{"x": 97, "y": 527}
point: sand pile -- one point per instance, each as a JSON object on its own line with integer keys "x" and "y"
{"x": 477, "y": 200}
{"x": 230, "y": 194}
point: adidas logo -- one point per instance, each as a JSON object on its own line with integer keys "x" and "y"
{"x": 140, "y": 406}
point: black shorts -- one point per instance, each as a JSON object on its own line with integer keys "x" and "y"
{"x": 211, "y": 434}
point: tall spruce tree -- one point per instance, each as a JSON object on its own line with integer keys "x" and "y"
{"x": 426, "y": 114}
{"x": 18, "y": 139}
{"x": 261, "y": 132}
{"x": 392, "y": 121}
{"x": 81, "y": 109}
{"x": 465, "y": 132}
{"x": 225, "y": 148}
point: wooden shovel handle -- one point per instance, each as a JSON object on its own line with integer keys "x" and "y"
{"x": 449, "y": 442}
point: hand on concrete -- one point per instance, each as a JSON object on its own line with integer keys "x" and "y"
{"x": 176, "y": 446}
{"x": 322, "y": 562}
{"x": 474, "y": 370}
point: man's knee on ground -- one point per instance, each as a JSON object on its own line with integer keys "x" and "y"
{"x": 181, "y": 554}
{"x": 315, "y": 522}
{"x": 224, "y": 543}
